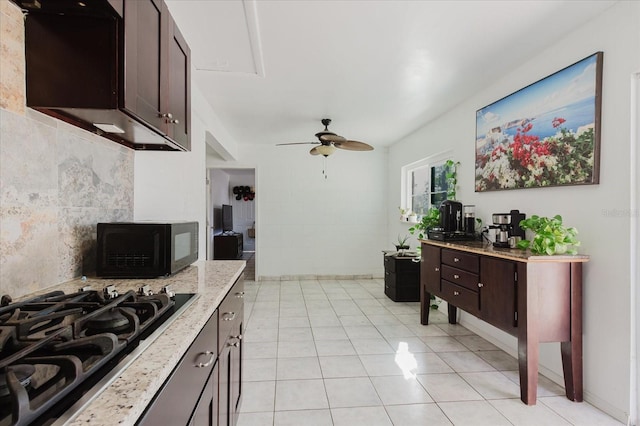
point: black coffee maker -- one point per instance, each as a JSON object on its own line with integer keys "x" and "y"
{"x": 507, "y": 225}
{"x": 451, "y": 216}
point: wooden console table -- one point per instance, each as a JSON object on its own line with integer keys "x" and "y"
{"x": 534, "y": 298}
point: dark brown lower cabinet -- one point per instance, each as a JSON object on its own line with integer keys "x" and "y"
{"x": 188, "y": 395}
{"x": 205, "y": 389}
{"x": 534, "y": 298}
{"x": 231, "y": 314}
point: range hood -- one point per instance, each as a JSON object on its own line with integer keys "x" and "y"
{"x": 75, "y": 71}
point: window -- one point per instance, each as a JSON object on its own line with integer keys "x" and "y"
{"x": 425, "y": 183}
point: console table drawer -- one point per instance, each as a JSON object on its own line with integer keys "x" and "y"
{"x": 460, "y": 277}
{"x": 461, "y": 297}
{"x": 466, "y": 261}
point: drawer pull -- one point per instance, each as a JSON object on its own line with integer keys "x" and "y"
{"x": 228, "y": 316}
{"x": 480, "y": 285}
{"x": 455, "y": 259}
{"x": 456, "y": 293}
{"x": 208, "y": 363}
{"x": 240, "y": 294}
{"x": 437, "y": 269}
{"x": 456, "y": 276}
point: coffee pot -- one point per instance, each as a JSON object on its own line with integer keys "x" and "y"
{"x": 508, "y": 226}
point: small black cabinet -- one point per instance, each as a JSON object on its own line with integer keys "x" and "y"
{"x": 401, "y": 278}
{"x": 227, "y": 246}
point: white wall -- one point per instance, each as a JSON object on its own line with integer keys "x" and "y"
{"x": 592, "y": 209}
{"x": 307, "y": 225}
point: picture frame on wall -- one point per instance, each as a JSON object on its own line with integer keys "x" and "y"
{"x": 545, "y": 134}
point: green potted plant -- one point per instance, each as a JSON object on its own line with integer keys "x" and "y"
{"x": 402, "y": 245}
{"x": 452, "y": 178}
{"x": 403, "y": 214}
{"x": 551, "y": 236}
{"x": 428, "y": 221}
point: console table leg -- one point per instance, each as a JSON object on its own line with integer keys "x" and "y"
{"x": 528, "y": 334}
{"x": 425, "y": 306}
{"x": 453, "y": 314}
{"x": 572, "y": 350}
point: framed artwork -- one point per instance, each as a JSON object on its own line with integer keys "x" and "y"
{"x": 546, "y": 134}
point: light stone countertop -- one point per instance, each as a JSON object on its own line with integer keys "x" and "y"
{"x": 124, "y": 400}
{"x": 518, "y": 255}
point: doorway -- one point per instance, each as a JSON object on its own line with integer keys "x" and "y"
{"x": 233, "y": 187}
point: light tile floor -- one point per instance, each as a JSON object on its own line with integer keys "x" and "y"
{"x": 341, "y": 353}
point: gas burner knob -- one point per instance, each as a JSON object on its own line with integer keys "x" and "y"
{"x": 168, "y": 291}
{"x": 5, "y": 300}
{"x": 110, "y": 292}
{"x": 145, "y": 290}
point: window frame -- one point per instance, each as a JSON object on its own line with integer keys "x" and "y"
{"x": 407, "y": 173}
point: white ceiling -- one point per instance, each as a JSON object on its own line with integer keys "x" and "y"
{"x": 380, "y": 69}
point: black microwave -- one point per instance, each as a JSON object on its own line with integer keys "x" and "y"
{"x": 145, "y": 249}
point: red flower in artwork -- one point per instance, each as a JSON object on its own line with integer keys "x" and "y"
{"x": 557, "y": 122}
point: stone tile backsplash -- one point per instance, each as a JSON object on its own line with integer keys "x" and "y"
{"x": 56, "y": 182}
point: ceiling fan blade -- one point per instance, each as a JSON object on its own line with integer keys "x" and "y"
{"x": 314, "y": 151}
{"x": 330, "y": 137}
{"x": 353, "y": 146}
{"x": 298, "y": 143}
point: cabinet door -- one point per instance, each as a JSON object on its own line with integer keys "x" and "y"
{"x": 498, "y": 293}
{"x": 176, "y": 80}
{"x": 143, "y": 28}
{"x": 206, "y": 411}
{"x": 224, "y": 387}
{"x": 236, "y": 373}
{"x": 430, "y": 273}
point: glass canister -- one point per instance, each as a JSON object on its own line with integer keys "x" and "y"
{"x": 469, "y": 218}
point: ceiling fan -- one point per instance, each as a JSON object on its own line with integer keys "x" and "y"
{"x": 329, "y": 141}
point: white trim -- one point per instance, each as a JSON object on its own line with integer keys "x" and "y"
{"x": 634, "y": 249}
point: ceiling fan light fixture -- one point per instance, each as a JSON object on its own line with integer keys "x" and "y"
{"x": 325, "y": 150}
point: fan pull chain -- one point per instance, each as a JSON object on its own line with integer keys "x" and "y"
{"x": 324, "y": 166}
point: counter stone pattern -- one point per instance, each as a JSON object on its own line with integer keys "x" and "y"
{"x": 124, "y": 400}
{"x": 518, "y": 255}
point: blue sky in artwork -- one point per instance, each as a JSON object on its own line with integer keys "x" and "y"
{"x": 550, "y": 95}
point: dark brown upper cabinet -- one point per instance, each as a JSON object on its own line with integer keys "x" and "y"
{"x": 118, "y": 68}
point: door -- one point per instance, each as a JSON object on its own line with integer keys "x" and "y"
{"x": 175, "y": 75}
{"x": 143, "y": 27}
{"x": 498, "y": 292}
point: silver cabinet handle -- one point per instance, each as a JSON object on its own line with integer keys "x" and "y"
{"x": 480, "y": 285}
{"x": 228, "y": 316}
{"x": 456, "y": 293}
{"x": 455, "y": 259}
{"x": 437, "y": 269}
{"x": 240, "y": 294}
{"x": 456, "y": 276}
{"x": 234, "y": 344}
{"x": 209, "y": 362}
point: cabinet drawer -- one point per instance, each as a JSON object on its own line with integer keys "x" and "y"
{"x": 460, "y": 277}
{"x": 230, "y": 312}
{"x": 466, "y": 261}
{"x": 407, "y": 265}
{"x": 461, "y": 297}
{"x": 389, "y": 280}
{"x": 389, "y": 264}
